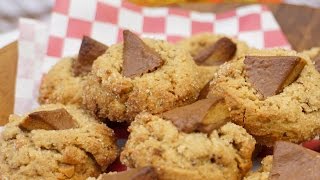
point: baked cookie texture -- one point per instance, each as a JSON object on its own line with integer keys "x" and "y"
{"x": 75, "y": 153}
{"x": 312, "y": 53}
{"x": 225, "y": 153}
{"x": 109, "y": 94}
{"x": 263, "y": 172}
{"x": 196, "y": 43}
{"x": 60, "y": 85}
{"x": 292, "y": 115}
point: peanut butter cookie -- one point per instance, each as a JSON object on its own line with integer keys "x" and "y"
{"x": 274, "y": 94}
{"x": 224, "y": 153}
{"x": 63, "y": 83}
{"x": 314, "y": 54}
{"x": 55, "y": 142}
{"x": 142, "y": 75}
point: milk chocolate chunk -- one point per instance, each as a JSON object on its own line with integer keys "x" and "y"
{"x": 294, "y": 162}
{"x": 57, "y": 119}
{"x": 89, "y": 51}
{"x": 217, "y": 53}
{"x": 270, "y": 74}
{"x": 317, "y": 62}
{"x": 145, "y": 173}
{"x": 138, "y": 58}
{"x": 204, "y": 115}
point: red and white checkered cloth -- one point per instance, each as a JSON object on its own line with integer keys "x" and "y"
{"x": 32, "y": 50}
{"x": 104, "y": 20}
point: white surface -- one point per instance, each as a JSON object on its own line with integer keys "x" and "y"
{"x": 9, "y": 37}
{"x": 313, "y": 3}
{"x": 229, "y": 26}
{"x": 76, "y": 9}
{"x": 181, "y": 28}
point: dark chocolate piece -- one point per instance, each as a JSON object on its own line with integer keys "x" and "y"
{"x": 217, "y": 53}
{"x": 204, "y": 115}
{"x": 269, "y": 75}
{"x": 57, "y": 119}
{"x": 89, "y": 51}
{"x": 294, "y": 162}
{"x": 138, "y": 58}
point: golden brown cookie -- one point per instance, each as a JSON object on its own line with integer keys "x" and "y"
{"x": 63, "y": 83}
{"x": 173, "y": 79}
{"x": 38, "y": 146}
{"x": 225, "y": 153}
{"x": 289, "y": 113}
{"x": 60, "y": 85}
{"x": 314, "y": 54}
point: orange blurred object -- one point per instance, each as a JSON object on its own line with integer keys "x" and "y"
{"x": 168, "y": 2}
{"x": 163, "y": 2}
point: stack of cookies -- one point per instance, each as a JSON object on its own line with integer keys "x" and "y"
{"x": 195, "y": 109}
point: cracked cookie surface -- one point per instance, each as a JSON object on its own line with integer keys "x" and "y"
{"x": 109, "y": 94}
{"x": 292, "y": 115}
{"x": 73, "y": 153}
{"x": 60, "y": 85}
{"x": 225, "y": 153}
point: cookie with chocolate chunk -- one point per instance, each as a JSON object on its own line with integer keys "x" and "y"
{"x": 55, "y": 142}
{"x": 63, "y": 83}
{"x": 274, "y": 94}
{"x": 289, "y": 161}
{"x": 213, "y": 50}
{"x": 224, "y": 152}
{"x": 142, "y": 75}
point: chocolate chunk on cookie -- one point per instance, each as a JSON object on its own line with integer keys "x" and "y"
{"x": 292, "y": 161}
{"x": 89, "y": 51}
{"x": 270, "y": 74}
{"x": 143, "y": 173}
{"x": 217, "y": 53}
{"x": 204, "y": 115}
{"x": 57, "y": 119}
{"x": 213, "y": 49}
{"x": 138, "y": 58}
